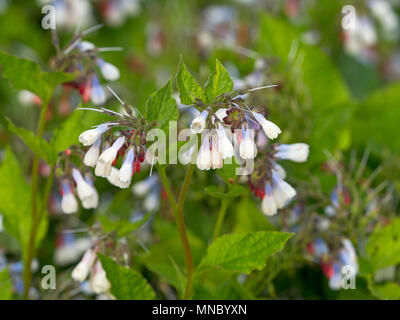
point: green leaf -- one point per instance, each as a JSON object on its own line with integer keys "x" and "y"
{"x": 15, "y": 204}
{"x": 233, "y": 192}
{"x": 244, "y": 252}
{"x": 387, "y": 291}
{"x": 188, "y": 88}
{"x": 162, "y": 107}
{"x": 121, "y": 226}
{"x": 219, "y": 82}
{"x": 126, "y": 284}
{"x": 38, "y": 145}
{"x": 6, "y": 289}
{"x": 383, "y": 247}
{"x": 26, "y": 74}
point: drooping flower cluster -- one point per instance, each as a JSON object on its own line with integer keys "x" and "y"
{"x": 82, "y": 57}
{"x": 332, "y": 260}
{"x": 91, "y": 264}
{"x": 219, "y": 144}
{"x": 116, "y": 155}
{"x": 267, "y": 181}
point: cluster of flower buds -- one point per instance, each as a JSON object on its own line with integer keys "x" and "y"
{"x": 333, "y": 260}
{"x": 91, "y": 264}
{"x": 82, "y": 57}
{"x": 217, "y": 143}
{"x": 83, "y": 187}
{"x": 267, "y": 181}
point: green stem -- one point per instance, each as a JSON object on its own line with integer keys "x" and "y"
{"x": 220, "y": 219}
{"x": 35, "y": 186}
{"x": 179, "y": 218}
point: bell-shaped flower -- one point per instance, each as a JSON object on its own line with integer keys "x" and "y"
{"x": 199, "y": 123}
{"x": 97, "y": 95}
{"x": 221, "y": 114}
{"x": 84, "y": 189}
{"x": 113, "y": 177}
{"x": 93, "y": 201}
{"x": 88, "y": 137}
{"x": 216, "y": 157}
{"x": 108, "y": 70}
{"x": 268, "y": 204}
{"x": 247, "y": 147}
{"x": 81, "y": 271}
{"x": 271, "y": 130}
{"x": 108, "y": 155}
{"x": 203, "y": 159}
{"x": 297, "y": 152}
{"x": 98, "y": 280}
{"x": 92, "y": 155}
{"x": 283, "y": 192}
{"x": 225, "y": 146}
{"x": 68, "y": 202}
{"x": 126, "y": 171}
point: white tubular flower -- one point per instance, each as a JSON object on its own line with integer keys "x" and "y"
{"x": 152, "y": 201}
{"x": 143, "y": 187}
{"x": 108, "y": 155}
{"x": 100, "y": 170}
{"x": 125, "y": 173}
{"x": 93, "y": 201}
{"x": 297, "y": 152}
{"x": 85, "y": 46}
{"x": 283, "y": 192}
{"x": 84, "y": 190}
{"x": 225, "y": 146}
{"x": 221, "y": 113}
{"x": 203, "y": 160}
{"x": 268, "y": 204}
{"x": 98, "y": 281}
{"x": 68, "y": 202}
{"x": 199, "y": 123}
{"x": 98, "y": 95}
{"x": 216, "y": 157}
{"x": 81, "y": 271}
{"x": 113, "y": 177}
{"x": 186, "y": 156}
{"x": 271, "y": 130}
{"x": 108, "y": 70}
{"x": 88, "y": 137}
{"x": 247, "y": 147}
{"x": 92, "y": 155}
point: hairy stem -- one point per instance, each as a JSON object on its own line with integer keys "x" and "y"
{"x": 220, "y": 219}
{"x": 34, "y": 223}
{"x": 179, "y": 218}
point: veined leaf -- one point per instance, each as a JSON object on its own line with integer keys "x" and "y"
{"x": 15, "y": 204}
{"x": 126, "y": 284}
{"x": 218, "y": 83}
{"x": 383, "y": 246}
{"x": 36, "y": 144}
{"x": 244, "y": 252}
{"x": 161, "y": 107}
{"x": 188, "y": 87}
{"x": 26, "y": 74}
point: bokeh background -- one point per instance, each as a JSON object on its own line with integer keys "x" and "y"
{"x": 339, "y": 91}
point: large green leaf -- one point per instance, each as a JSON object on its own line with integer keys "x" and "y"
{"x": 387, "y": 291}
{"x": 244, "y": 252}
{"x": 161, "y": 107}
{"x": 188, "y": 87}
{"x": 5, "y": 285}
{"x": 383, "y": 247}
{"x": 15, "y": 204}
{"x": 36, "y": 144}
{"x": 26, "y": 74}
{"x": 126, "y": 284}
{"x": 218, "y": 83}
